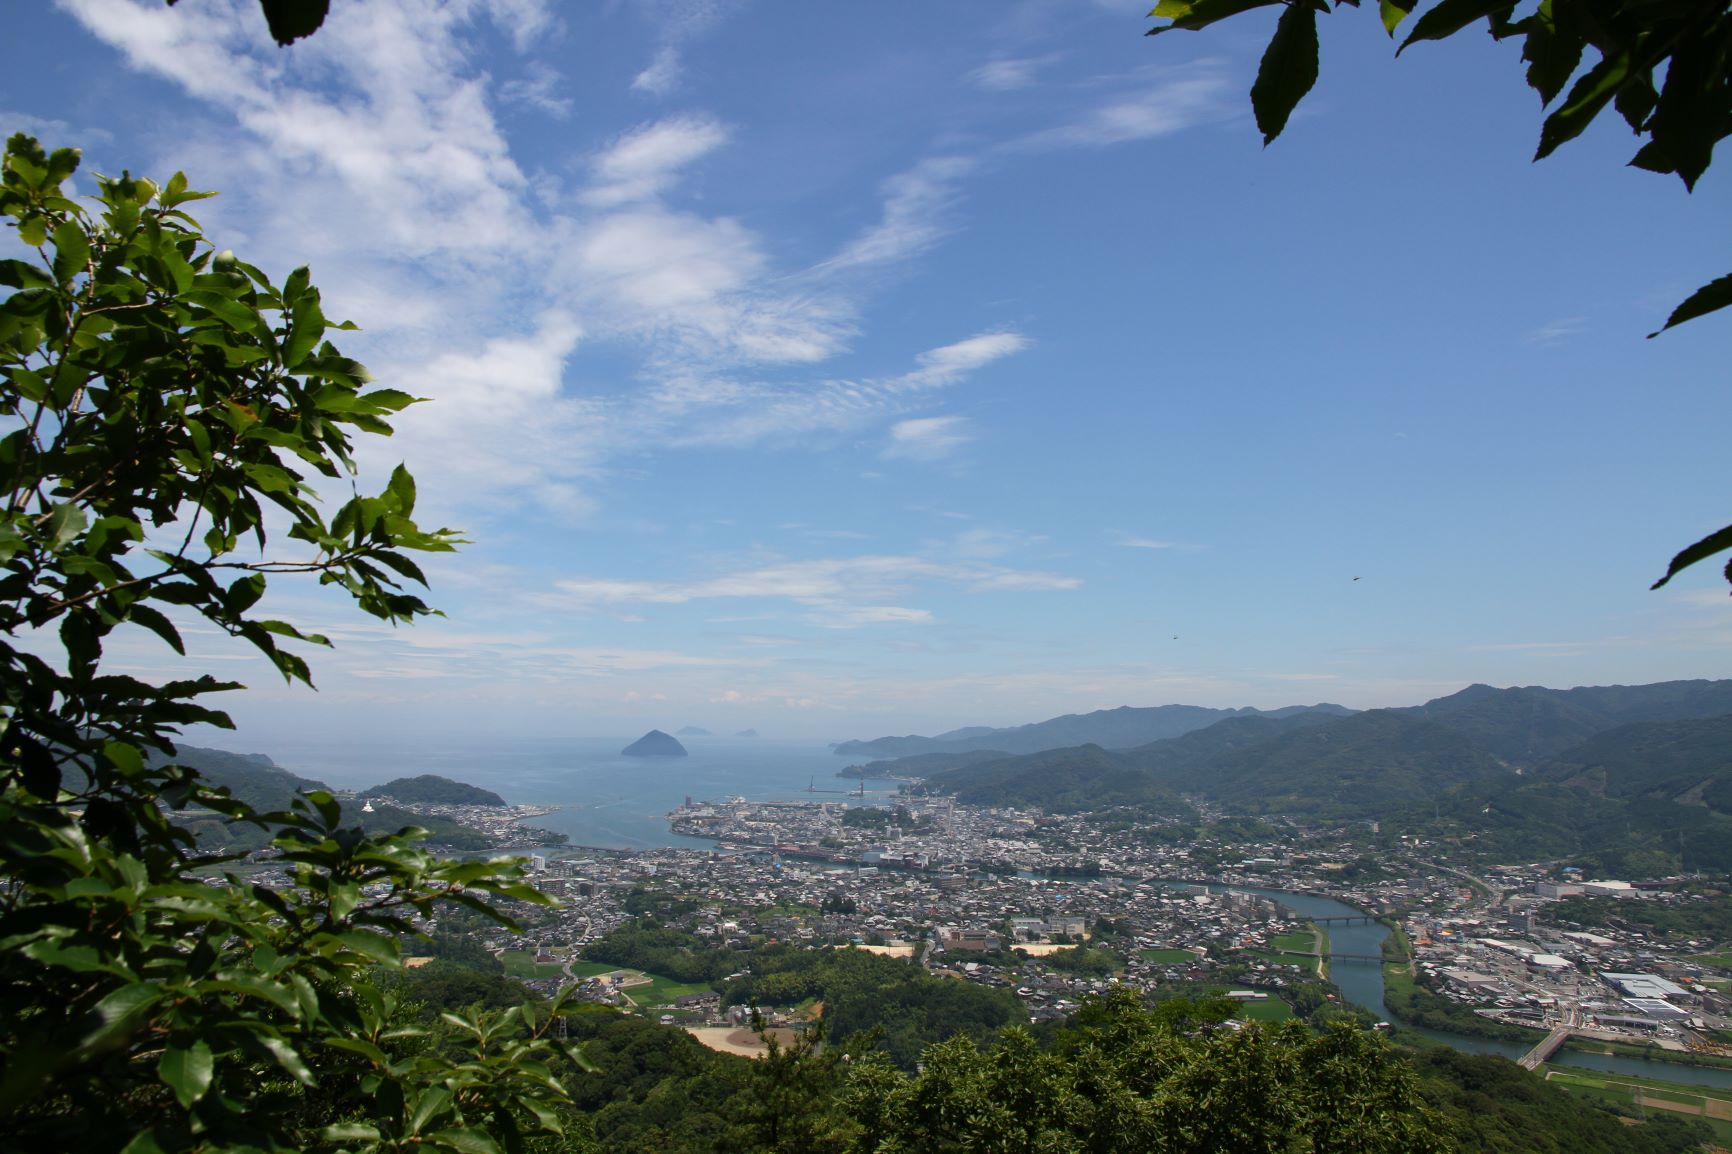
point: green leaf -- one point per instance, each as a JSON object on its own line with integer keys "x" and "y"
{"x": 306, "y": 329}
{"x": 1451, "y": 16}
{"x": 187, "y": 1071}
{"x": 1711, "y": 297}
{"x": 71, "y": 252}
{"x": 1192, "y": 15}
{"x": 429, "y": 1105}
{"x": 350, "y": 1132}
{"x": 1590, "y": 94}
{"x": 466, "y": 1141}
{"x": 1393, "y": 13}
{"x": 125, "y": 756}
{"x": 66, "y": 522}
{"x": 158, "y": 624}
{"x": 1288, "y": 69}
{"x": 286, "y": 1057}
{"x": 1716, "y": 542}
{"x": 116, "y": 1015}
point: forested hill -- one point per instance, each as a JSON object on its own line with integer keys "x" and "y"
{"x": 267, "y": 787}
{"x": 430, "y": 788}
{"x": 1122, "y": 728}
{"x": 1687, "y": 762}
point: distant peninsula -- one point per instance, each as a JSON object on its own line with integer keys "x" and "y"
{"x": 695, "y": 731}
{"x": 655, "y": 743}
{"x": 747, "y": 733}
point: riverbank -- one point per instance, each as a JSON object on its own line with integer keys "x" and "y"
{"x": 1634, "y": 1095}
{"x": 1649, "y": 1053}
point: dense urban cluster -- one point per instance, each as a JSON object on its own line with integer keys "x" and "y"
{"x": 1052, "y": 908}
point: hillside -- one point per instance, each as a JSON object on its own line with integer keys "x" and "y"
{"x": 1123, "y": 728}
{"x": 1687, "y": 762}
{"x": 267, "y": 787}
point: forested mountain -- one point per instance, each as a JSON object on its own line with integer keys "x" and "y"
{"x": 1059, "y": 780}
{"x": 1526, "y": 771}
{"x": 1350, "y": 766}
{"x": 1122, "y": 728}
{"x": 1527, "y": 724}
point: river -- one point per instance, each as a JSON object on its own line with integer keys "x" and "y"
{"x": 1362, "y": 984}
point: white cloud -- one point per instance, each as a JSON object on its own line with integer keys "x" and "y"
{"x": 926, "y": 438}
{"x": 1009, "y": 73}
{"x": 852, "y": 585}
{"x": 645, "y": 161}
{"x": 663, "y": 74}
{"x": 762, "y": 412}
{"x": 946, "y": 365}
{"x": 527, "y": 22}
{"x": 537, "y": 90}
{"x": 1171, "y": 100}
{"x": 1554, "y": 331}
{"x": 914, "y": 205}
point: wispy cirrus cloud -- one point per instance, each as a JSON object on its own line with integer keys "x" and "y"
{"x": 1158, "y": 102}
{"x": 858, "y": 587}
{"x": 644, "y": 162}
{"x": 926, "y": 438}
{"x": 662, "y": 75}
{"x": 1007, "y": 73}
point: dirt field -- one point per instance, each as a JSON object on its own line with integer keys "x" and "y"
{"x": 734, "y": 1040}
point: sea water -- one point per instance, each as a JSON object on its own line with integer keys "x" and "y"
{"x": 603, "y": 799}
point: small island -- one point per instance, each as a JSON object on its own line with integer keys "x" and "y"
{"x": 695, "y": 731}
{"x": 655, "y": 743}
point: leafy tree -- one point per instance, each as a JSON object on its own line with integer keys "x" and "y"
{"x": 1127, "y": 1081}
{"x": 1666, "y": 68}
{"x": 158, "y": 396}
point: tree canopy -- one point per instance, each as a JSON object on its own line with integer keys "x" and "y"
{"x": 166, "y": 411}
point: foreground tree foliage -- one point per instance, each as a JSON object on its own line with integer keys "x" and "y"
{"x": 1125, "y": 1081}
{"x": 163, "y": 408}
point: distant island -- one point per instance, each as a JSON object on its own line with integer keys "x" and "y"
{"x": 695, "y": 731}
{"x": 747, "y": 733}
{"x": 430, "y": 788}
{"x": 655, "y": 743}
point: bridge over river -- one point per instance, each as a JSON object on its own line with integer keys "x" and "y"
{"x": 1547, "y": 1047}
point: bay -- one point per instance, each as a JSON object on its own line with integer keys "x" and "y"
{"x": 605, "y": 800}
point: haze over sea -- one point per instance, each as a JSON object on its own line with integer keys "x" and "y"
{"x": 604, "y": 799}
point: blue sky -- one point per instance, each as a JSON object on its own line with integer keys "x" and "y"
{"x": 836, "y": 370}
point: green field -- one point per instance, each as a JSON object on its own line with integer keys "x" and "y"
{"x": 1632, "y": 1093}
{"x": 1168, "y": 957}
{"x": 1302, "y": 940}
{"x": 1721, "y": 960}
{"x": 585, "y": 969}
{"x": 521, "y": 964}
{"x": 1274, "y": 1010}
